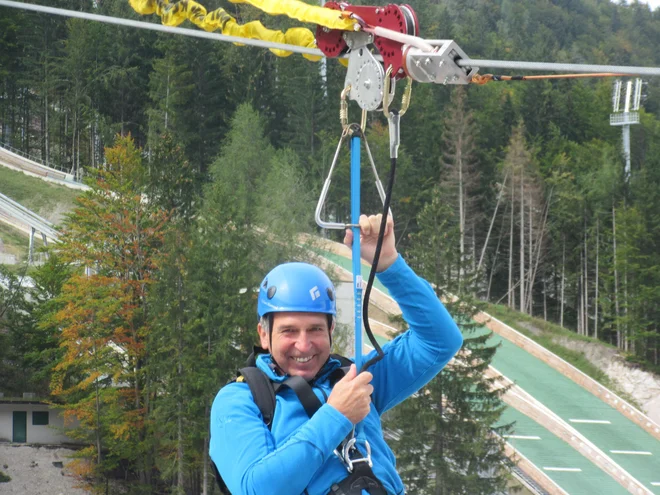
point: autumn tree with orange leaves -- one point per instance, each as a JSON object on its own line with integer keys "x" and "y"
{"x": 115, "y": 235}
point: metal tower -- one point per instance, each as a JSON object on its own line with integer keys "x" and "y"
{"x": 629, "y": 115}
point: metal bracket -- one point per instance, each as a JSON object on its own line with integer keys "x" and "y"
{"x": 439, "y": 66}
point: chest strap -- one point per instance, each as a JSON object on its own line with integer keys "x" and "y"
{"x": 361, "y": 475}
{"x": 303, "y": 390}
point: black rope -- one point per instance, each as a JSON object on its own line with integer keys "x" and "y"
{"x": 374, "y": 265}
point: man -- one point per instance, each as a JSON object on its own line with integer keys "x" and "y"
{"x": 297, "y": 454}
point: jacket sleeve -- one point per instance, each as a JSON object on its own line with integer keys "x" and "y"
{"x": 244, "y": 451}
{"x": 415, "y": 357}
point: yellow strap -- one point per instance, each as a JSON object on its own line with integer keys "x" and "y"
{"x": 303, "y": 12}
{"x": 173, "y": 14}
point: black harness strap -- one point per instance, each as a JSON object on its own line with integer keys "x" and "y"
{"x": 262, "y": 392}
{"x": 362, "y": 478}
{"x": 305, "y": 393}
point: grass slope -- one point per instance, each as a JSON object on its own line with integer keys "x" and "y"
{"x": 44, "y": 198}
{"x": 13, "y": 241}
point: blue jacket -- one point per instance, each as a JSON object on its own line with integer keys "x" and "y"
{"x": 296, "y": 454}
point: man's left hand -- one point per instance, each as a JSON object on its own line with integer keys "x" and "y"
{"x": 369, "y": 228}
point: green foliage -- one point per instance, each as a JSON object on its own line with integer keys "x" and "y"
{"x": 283, "y": 200}
{"x": 171, "y": 181}
{"x": 447, "y": 443}
{"x": 203, "y": 302}
{"x": 12, "y": 294}
{"x": 237, "y": 145}
{"x": 29, "y": 350}
{"x": 4, "y": 478}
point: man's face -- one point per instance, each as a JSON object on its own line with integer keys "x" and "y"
{"x": 300, "y": 342}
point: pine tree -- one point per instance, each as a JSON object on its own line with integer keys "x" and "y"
{"x": 34, "y": 342}
{"x": 12, "y": 326}
{"x": 205, "y": 297}
{"x": 447, "y": 442}
{"x": 173, "y": 372}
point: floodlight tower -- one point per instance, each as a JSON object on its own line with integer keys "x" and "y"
{"x": 629, "y": 115}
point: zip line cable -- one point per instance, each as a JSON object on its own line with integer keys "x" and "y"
{"x": 559, "y": 67}
{"x": 163, "y": 29}
{"x": 175, "y": 13}
{"x": 486, "y": 78}
{"x": 466, "y": 62}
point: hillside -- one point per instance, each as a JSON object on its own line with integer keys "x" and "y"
{"x": 48, "y": 200}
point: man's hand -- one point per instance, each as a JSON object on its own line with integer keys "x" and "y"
{"x": 351, "y": 395}
{"x": 369, "y": 228}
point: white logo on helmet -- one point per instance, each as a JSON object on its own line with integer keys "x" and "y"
{"x": 315, "y": 293}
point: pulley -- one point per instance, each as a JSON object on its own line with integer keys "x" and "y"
{"x": 397, "y": 18}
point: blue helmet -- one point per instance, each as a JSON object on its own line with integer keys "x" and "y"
{"x": 296, "y": 287}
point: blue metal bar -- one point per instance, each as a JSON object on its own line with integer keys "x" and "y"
{"x": 357, "y": 266}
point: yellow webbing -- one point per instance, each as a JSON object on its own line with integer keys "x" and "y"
{"x": 173, "y": 14}
{"x": 303, "y": 12}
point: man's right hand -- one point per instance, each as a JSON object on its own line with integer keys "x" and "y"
{"x": 351, "y": 395}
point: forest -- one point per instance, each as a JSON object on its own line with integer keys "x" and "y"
{"x": 509, "y": 193}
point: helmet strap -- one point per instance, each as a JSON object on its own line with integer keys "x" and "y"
{"x": 271, "y": 319}
{"x": 331, "y": 319}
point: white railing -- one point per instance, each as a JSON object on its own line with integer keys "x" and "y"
{"x": 17, "y": 215}
{"x": 31, "y": 158}
{"x": 16, "y": 161}
{"x": 624, "y": 118}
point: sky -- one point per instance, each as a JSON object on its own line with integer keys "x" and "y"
{"x": 654, "y": 4}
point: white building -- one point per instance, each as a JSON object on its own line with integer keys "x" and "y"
{"x": 31, "y": 421}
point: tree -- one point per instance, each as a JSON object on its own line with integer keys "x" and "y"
{"x": 173, "y": 379}
{"x": 527, "y": 211}
{"x": 203, "y": 302}
{"x": 32, "y": 348}
{"x": 13, "y": 323}
{"x": 104, "y": 317}
{"x": 461, "y": 181}
{"x": 447, "y": 441}
{"x": 171, "y": 91}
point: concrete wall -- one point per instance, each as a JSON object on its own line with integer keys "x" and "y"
{"x": 35, "y": 433}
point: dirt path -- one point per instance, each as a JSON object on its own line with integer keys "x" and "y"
{"x": 36, "y": 471}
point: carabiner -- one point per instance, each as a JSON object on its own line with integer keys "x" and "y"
{"x": 405, "y": 99}
{"x": 343, "y": 112}
{"x": 345, "y": 455}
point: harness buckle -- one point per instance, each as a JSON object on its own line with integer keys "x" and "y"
{"x": 348, "y": 449}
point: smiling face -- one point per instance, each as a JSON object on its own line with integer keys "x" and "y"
{"x": 300, "y": 343}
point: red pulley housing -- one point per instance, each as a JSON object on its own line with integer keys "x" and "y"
{"x": 399, "y": 18}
